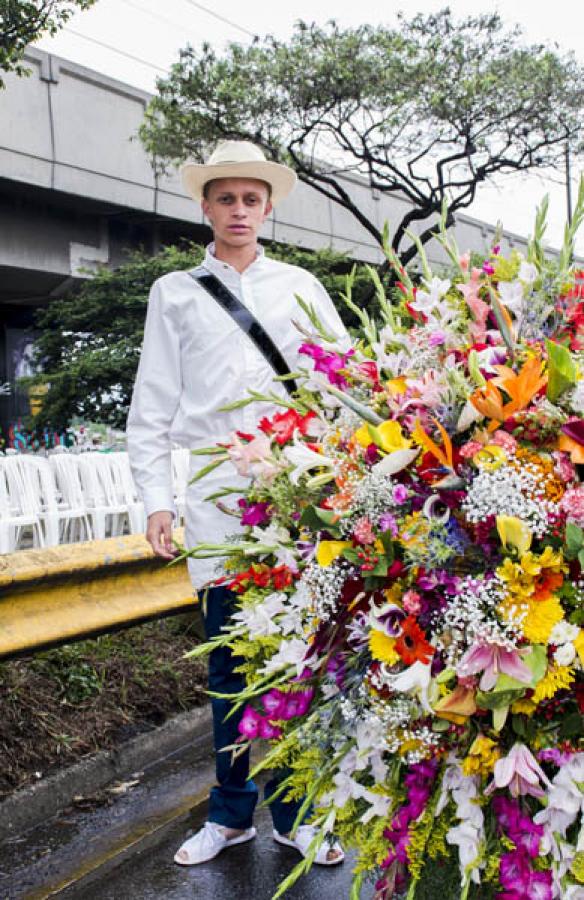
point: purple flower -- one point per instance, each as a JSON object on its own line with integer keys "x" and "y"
{"x": 400, "y": 494}
{"x": 437, "y": 338}
{"x": 555, "y": 756}
{"x": 371, "y": 455}
{"x": 249, "y": 725}
{"x": 391, "y": 620}
{"x": 387, "y": 522}
{"x": 269, "y": 731}
{"x": 488, "y": 269}
{"x": 329, "y": 363}
{"x": 254, "y": 513}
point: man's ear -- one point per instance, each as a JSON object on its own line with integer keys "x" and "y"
{"x": 205, "y": 207}
{"x": 268, "y": 209}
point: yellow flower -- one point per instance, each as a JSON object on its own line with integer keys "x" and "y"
{"x": 514, "y": 532}
{"x": 557, "y": 678}
{"x": 482, "y": 756}
{"x": 382, "y": 647}
{"x": 490, "y": 457}
{"x": 577, "y": 867}
{"x": 541, "y": 617}
{"x": 525, "y": 706}
{"x": 396, "y": 386}
{"x": 328, "y": 551}
{"x": 388, "y": 436}
{"x": 579, "y": 645}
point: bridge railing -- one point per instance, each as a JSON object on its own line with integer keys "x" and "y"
{"x": 51, "y": 596}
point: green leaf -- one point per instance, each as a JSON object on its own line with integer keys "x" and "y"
{"x": 571, "y": 725}
{"x": 498, "y": 699}
{"x": 574, "y": 540}
{"x": 562, "y": 370}
{"x": 208, "y": 468}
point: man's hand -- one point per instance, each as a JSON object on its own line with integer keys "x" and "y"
{"x": 159, "y": 534}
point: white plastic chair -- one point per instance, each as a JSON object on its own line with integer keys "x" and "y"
{"x": 103, "y": 496}
{"x": 67, "y": 472}
{"x": 181, "y": 460}
{"x": 61, "y": 506}
{"x": 126, "y": 490}
{"x": 19, "y": 507}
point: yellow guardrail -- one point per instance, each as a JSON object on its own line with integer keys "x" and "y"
{"x": 59, "y": 594}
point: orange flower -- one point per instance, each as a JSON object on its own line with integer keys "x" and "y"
{"x": 412, "y": 645}
{"x": 520, "y": 387}
{"x": 546, "y": 584}
{"x": 443, "y": 454}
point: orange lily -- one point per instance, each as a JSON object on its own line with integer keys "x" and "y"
{"x": 421, "y": 437}
{"x": 569, "y": 445}
{"x": 520, "y": 387}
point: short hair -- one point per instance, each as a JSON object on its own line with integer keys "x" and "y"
{"x": 208, "y": 184}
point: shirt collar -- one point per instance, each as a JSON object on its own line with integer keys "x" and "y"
{"x": 224, "y": 270}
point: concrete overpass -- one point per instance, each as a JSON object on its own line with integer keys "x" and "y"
{"x": 77, "y": 190}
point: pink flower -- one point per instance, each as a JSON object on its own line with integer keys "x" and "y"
{"x": 493, "y": 660}
{"x": 505, "y": 440}
{"x": 572, "y": 504}
{"x": 269, "y": 731}
{"x": 363, "y": 531}
{"x": 249, "y": 725}
{"x": 488, "y": 268}
{"x": 400, "y": 494}
{"x": 329, "y": 363}
{"x": 254, "y": 513}
{"x": 464, "y": 261}
{"x": 412, "y": 602}
{"x": 520, "y": 772}
{"x": 563, "y": 466}
{"x": 252, "y": 457}
{"x": 468, "y": 450}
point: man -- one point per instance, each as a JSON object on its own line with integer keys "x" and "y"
{"x": 196, "y": 359}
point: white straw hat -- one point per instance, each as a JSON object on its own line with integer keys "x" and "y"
{"x": 238, "y": 159}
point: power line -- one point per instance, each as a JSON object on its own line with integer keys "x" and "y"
{"x": 215, "y": 15}
{"x": 131, "y": 56}
{"x": 143, "y": 9}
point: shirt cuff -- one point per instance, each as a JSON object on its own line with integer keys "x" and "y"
{"x": 159, "y": 500}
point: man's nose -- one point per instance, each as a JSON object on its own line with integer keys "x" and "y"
{"x": 239, "y": 208}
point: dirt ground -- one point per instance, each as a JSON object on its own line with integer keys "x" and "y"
{"x": 70, "y": 702}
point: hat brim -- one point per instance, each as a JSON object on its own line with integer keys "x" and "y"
{"x": 282, "y": 179}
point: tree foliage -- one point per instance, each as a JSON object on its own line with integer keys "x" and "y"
{"x": 24, "y": 21}
{"x": 90, "y": 340}
{"x": 424, "y": 111}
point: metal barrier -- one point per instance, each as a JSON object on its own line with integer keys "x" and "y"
{"x": 56, "y": 595}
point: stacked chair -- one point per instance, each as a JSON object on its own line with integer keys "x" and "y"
{"x": 68, "y": 497}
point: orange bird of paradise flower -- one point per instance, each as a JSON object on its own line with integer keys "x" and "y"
{"x": 520, "y": 387}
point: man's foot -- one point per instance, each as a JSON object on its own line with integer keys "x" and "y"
{"x": 207, "y": 843}
{"x": 326, "y": 856}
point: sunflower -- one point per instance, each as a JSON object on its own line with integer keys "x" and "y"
{"x": 412, "y": 645}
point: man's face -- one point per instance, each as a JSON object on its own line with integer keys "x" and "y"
{"x": 236, "y": 209}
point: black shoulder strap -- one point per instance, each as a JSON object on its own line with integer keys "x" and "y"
{"x": 248, "y": 324}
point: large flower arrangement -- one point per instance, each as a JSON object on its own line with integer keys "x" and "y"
{"x": 410, "y": 579}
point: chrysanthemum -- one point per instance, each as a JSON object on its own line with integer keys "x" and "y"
{"x": 541, "y": 617}
{"x": 557, "y": 678}
{"x": 482, "y": 756}
{"x": 382, "y": 647}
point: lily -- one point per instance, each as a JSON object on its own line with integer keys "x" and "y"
{"x": 493, "y": 660}
{"x": 520, "y": 772}
{"x": 304, "y": 459}
{"x": 415, "y": 679}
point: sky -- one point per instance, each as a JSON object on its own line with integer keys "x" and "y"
{"x": 137, "y": 40}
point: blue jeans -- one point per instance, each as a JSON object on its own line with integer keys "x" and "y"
{"x": 233, "y": 799}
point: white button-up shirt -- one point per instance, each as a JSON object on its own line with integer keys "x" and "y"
{"x": 195, "y": 359}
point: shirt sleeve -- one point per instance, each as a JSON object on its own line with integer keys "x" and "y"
{"x": 155, "y": 400}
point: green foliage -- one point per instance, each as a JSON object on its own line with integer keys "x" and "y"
{"x": 90, "y": 340}
{"x": 24, "y": 21}
{"x": 428, "y": 109}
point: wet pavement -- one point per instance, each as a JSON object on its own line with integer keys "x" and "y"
{"x": 249, "y": 871}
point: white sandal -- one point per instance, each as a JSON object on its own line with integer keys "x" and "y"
{"x": 207, "y": 843}
{"x": 302, "y": 840}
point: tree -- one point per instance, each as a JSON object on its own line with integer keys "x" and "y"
{"x": 425, "y": 111}
{"x": 24, "y": 21}
{"x": 89, "y": 342}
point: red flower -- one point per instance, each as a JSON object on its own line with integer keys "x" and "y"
{"x": 283, "y": 425}
{"x": 412, "y": 645}
{"x": 281, "y": 577}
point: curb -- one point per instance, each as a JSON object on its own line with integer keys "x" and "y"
{"x": 38, "y": 802}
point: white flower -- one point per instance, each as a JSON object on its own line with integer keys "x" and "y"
{"x": 512, "y": 296}
{"x": 259, "y": 619}
{"x": 303, "y": 459}
{"x": 379, "y": 806}
{"x": 565, "y": 654}
{"x": 527, "y": 272}
{"x": 290, "y": 653}
{"x": 396, "y": 461}
{"x": 563, "y": 632}
{"x": 415, "y": 680}
{"x": 468, "y": 841}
